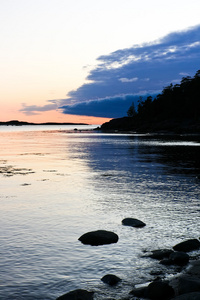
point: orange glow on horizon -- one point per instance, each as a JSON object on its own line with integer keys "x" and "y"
{"x": 50, "y": 116}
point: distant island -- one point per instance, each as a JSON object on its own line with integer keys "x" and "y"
{"x": 20, "y": 123}
{"x": 176, "y": 109}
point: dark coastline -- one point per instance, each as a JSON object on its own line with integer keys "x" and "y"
{"x": 130, "y": 124}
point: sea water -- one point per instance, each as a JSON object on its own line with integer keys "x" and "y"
{"x": 58, "y": 184}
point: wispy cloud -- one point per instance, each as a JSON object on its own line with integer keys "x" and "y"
{"x": 128, "y": 79}
{"x": 31, "y": 110}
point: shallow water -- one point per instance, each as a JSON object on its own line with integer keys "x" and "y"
{"x": 57, "y": 185}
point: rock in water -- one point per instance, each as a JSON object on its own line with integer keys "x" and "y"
{"x": 179, "y": 258}
{"x": 110, "y": 279}
{"x": 99, "y": 237}
{"x": 186, "y": 246}
{"x": 189, "y": 296}
{"x": 77, "y": 295}
{"x": 158, "y": 290}
{"x": 133, "y": 222}
{"x": 160, "y": 253}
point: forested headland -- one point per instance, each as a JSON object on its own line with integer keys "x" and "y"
{"x": 175, "y": 109}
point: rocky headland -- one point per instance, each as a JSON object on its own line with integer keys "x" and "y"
{"x": 176, "y": 110}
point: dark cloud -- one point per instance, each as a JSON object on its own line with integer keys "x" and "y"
{"x": 141, "y": 69}
{"x": 113, "y": 107}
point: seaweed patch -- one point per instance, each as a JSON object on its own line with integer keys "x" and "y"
{"x": 10, "y": 171}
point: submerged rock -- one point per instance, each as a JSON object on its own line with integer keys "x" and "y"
{"x": 176, "y": 258}
{"x": 110, "y": 279}
{"x": 133, "y": 222}
{"x": 77, "y": 295}
{"x": 160, "y": 254}
{"x": 99, "y": 237}
{"x": 189, "y": 245}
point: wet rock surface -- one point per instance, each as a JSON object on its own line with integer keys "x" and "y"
{"x": 111, "y": 279}
{"x": 160, "y": 253}
{"x": 156, "y": 290}
{"x": 133, "y": 222}
{"x": 189, "y": 296}
{"x": 176, "y": 258}
{"x": 99, "y": 237}
{"x": 78, "y": 294}
{"x": 183, "y": 285}
{"x": 187, "y": 246}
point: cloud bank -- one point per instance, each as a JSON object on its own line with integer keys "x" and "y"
{"x": 120, "y": 77}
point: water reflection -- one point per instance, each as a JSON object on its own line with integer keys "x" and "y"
{"x": 179, "y": 155}
{"x": 85, "y": 182}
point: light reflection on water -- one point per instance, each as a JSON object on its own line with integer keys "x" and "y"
{"x": 78, "y": 182}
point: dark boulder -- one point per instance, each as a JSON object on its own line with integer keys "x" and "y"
{"x": 166, "y": 262}
{"x": 133, "y": 222}
{"x": 77, "y": 295}
{"x": 99, "y": 237}
{"x": 158, "y": 290}
{"x": 160, "y": 254}
{"x": 189, "y": 296}
{"x": 110, "y": 279}
{"x": 188, "y": 284}
{"x": 186, "y": 246}
{"x": 179, "y": 258}
{"x": 140, "y": 292}
{"x": 194, "y": 269}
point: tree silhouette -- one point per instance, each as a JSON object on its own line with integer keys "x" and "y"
{"x": 175, "y": 101}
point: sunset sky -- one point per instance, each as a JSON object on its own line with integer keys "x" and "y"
{"x": 87, "y": 61}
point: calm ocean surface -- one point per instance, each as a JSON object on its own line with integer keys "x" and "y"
{"x": 57, "y": 185}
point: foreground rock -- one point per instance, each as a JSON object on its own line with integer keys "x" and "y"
{"x": 110, "y": 279}
{"x": 156, "y": 290}
{"x": 160, "y": 254}
{"x": 189, "y": 296}
{"x": 133, "y": 222}
{"x": 77, "y": 295}
{"x": 160, "y": 290}
{"x": 189, "y": 245}
{"x": 99, "y": 237}
{"x": 176, "y": 258}
{"x": 194, "y": 269}
{"x": 187, "y": 284}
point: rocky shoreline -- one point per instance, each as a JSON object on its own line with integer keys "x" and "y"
{"x": 183, "y": 285}
{"x": 172, "y": 126}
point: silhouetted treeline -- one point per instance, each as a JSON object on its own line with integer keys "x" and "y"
{"x": 177, "y": 105}
{"x": 176, "y": 101}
